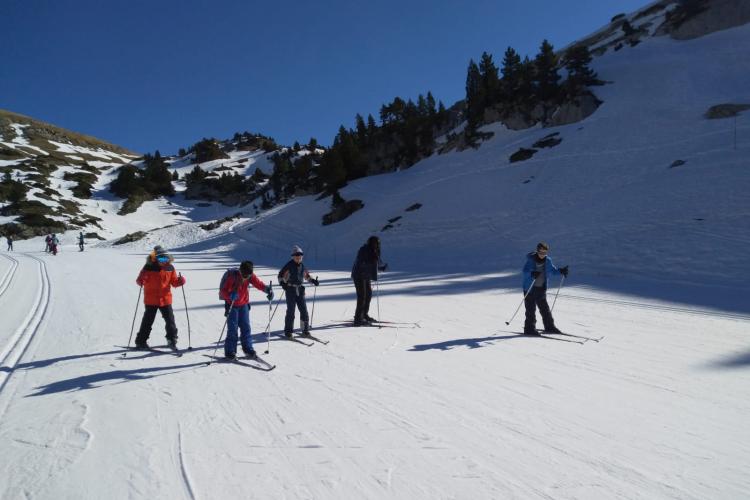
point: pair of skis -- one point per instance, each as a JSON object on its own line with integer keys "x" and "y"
{"x": 580, "y": 338}
{"x": 298, "y": 340}
{"x": 374, "y": 324}
{"x": 254, "y": 362}
{"x": 174, "y": 351}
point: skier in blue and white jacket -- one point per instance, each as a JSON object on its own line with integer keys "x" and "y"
{"x": 536, "y": 272}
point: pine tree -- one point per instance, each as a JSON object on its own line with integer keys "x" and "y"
{"x": 431, "y": 104}
{"x": 546, "y": 78}
{"x": 490, "y": 81}
{"x": 371, "y": 126}
{"x": 580, "y": 76}
{"x": 361, "y": 130}
{"x": 473, "y": 96}
{"x": 525, "y": 89}
{"x": 422, "y": 106}
{"x": 511, "y": 75}
{"x": 628, "y": 29}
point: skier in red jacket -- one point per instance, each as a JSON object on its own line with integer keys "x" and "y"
{"x": 233, "y": 290}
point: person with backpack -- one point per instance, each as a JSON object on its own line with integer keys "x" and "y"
{"x": 364, "y": 272}
{"x": 233, "y": 290}
{"x": 80, "y": 241}
{"x": 48, "y": 241}
{"x": 9, "y": 238}
{"x": 536, "y": 272}
{"x": 292, "y": 277}
{"x": 157, "y": 278}
{"x": 53, "y": 242}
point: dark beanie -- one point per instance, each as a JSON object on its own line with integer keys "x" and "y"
{"x": 246, "y": 268}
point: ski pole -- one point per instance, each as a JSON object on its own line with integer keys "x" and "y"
{"x": 312, "y": 315}
{"x": 231, "y": 305}
{"x": 522, "y": 301}
{"x": 135, "y": 313}
{"x": 377, "y": 297}
{"x": 268, "y": 328}
{"x": 558, "y": 291}
{"x": 190, "y": 345}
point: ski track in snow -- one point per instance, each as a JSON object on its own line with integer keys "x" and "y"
{"x": 24, "y": 334}
{"x": 8, "y": 276}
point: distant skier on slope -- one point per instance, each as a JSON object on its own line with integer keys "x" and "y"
{"x": 156, "y": 278}
{"x": 364, "y": 272}
{"x": 292, "y": 277}
{"x": 536, "y": 274}
{"x": 233, "y": 290}
{"x": 48, "y": 241}
{"x": 80, "y": 241}
{"x": 9, "y": 239}
{"x": 53, "y": 242}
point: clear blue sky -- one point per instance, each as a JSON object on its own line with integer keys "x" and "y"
{"x": 162, "y": 74}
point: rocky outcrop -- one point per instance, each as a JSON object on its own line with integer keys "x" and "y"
{"x": 342, "y": 211}
{"x": 725, "y": 110}
{"x": 697, "y": 19}
{"x": 138, "y": 235}
{"x": 574, "y": 110}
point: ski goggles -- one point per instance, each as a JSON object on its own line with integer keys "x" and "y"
{"x": 163, "y": 259}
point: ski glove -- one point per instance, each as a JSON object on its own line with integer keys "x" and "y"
{"x": 269, "y": 293}
{"x": 383, "y": 268}
{"x": 233, "y": 296}
{"x": 535, "y": 274}
{"x": 227, "y": 308}
{"x": 181, "y": 281}
{"x": 564, "y": 271}
{"x": 314, "y": 281}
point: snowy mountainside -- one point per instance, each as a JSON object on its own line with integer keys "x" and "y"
{"x": 607, "y": 198}
{"x": 60, "y": 170}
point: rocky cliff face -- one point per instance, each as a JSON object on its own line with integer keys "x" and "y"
{"x": 706, "y": 17}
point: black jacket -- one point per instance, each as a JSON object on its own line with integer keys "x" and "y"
{"x": 366, "y": 264}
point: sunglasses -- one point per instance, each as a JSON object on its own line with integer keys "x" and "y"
{"x": 297, "y": 255}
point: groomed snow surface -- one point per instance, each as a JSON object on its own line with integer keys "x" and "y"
{"x": 457, "y": 406}
{"x": 450, "y": 402}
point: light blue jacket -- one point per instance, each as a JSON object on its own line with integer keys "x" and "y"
{"x": 530, "y": 266}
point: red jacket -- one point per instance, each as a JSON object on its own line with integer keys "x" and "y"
{"x": 156, "y": 281}
{"x": 232, "y": 281}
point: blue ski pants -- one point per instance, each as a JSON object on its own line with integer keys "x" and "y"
{"x": 238, "y": 315}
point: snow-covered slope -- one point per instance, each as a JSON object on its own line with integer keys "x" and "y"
{"x": 451, "y": 402}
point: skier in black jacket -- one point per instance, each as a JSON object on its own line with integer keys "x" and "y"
{"x": 292, "y": 277}
{"x": 364, "y": 272}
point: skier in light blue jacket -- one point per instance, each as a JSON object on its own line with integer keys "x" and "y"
{"x": 536, "y": 273}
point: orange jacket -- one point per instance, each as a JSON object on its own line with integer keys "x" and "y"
{"x": 156, "y": 281}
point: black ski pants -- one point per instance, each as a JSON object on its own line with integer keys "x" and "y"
{"x": 148, "y": 320}
{"x": 295, "y": 298}
{"x": 537, "y": 297}
{"x": 364, "y": 295}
